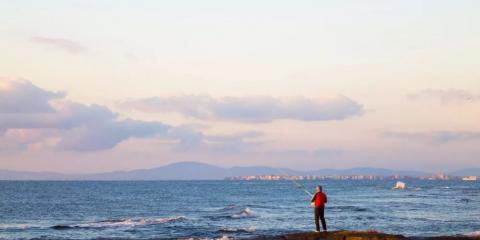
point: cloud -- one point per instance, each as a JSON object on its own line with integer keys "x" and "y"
{"x": 317, "y": 153}
{"x": 190, "y": 140}
{"x": 35, "y": 118}
{"x": 250, "y": 109}
{"x": 234, "y": 143}
{"x": 23, "y": 97}
{"x": 108, "y": 134}
{"x": 31, "y": 116}
{"x": 445, "y": 96}
{"x": 60, "y": 43}
{"x": 26, "y": 111}
{"x": 65, "y": 115}
{"x": 435, "y": 137}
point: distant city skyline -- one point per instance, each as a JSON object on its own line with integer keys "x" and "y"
{"x": 98, "y": 86}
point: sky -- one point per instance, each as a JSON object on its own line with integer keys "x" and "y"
{"x": 94, "y": 86}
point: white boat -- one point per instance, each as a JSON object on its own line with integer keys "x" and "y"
{"x": 470, "y": 178}
{"x": 400, "y": 185}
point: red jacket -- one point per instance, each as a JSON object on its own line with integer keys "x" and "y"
{"x": 319, "y": 199}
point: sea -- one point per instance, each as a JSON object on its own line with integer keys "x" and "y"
{"x": 231, "y": 209}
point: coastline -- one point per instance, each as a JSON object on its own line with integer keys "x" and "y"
{"x": 357, "y": 235}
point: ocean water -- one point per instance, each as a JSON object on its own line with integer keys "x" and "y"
{"x": 233, "y": 209}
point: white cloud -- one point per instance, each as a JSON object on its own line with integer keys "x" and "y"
{"x": 61, "y": 43}
{"x": 250, "y": 109}
{"x": 26, "y": 113}
{"x": 445, "y": 96}
{"x": 24, "y": 97}
{"x": 31, "y": 116}
{"x": 435, "y": 137}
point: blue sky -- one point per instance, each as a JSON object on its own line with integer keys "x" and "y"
{"x": 91, "y": 86}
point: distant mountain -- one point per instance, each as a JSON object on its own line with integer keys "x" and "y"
{"x": 24, "y": 175}
{"x": 202, "y": 171}
{"x": 175, "y": 171}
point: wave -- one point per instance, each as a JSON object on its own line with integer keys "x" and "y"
{"x": 245, "y": 213}
{"x": 229, "y": 207}
{"x": 231, "y": 212}
{"x": 119, "y": 223}
{"x": 223, "y": 237}
{"x": 350, "y": 208}
{"x": 237, "y": 230}
{"x": 18, "y": 226}
{"x": 472, "y": 191}
{"x": 473, "y": 234}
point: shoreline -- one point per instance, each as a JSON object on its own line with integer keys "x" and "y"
{"x": 357, "y": 235}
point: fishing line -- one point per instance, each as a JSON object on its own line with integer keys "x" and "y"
{"x": 298, "y": 185}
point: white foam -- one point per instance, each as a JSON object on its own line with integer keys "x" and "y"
{"x": 129, "y": 222}
{"x": 247, "y": 212}
{"x": 223, "y": 237}
{"x": 473, "y": 234}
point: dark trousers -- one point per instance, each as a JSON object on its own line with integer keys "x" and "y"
{"x": 319, "y": 215}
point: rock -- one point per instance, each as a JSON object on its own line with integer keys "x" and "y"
{"x": 356, "y": 235}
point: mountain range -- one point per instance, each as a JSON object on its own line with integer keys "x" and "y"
{"x": 202, "y": 171}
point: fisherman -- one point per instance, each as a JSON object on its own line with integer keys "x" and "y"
{"x": 318, "y": 202}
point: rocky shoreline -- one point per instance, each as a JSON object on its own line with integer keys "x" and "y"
{"x": 357, "y": 235}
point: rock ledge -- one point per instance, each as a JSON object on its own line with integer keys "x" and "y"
{"x": 356, "y": 235}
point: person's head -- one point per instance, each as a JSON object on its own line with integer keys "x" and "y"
{"x": 319, "y": 188}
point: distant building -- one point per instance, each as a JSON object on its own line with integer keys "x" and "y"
{"x": 440, "y": 176}
{"x": 332, "y": 177}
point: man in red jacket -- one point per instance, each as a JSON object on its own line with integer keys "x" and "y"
{"x": 318, "y": 201}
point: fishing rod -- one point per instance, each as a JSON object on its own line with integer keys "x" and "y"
{"x": 298, "y": 185}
